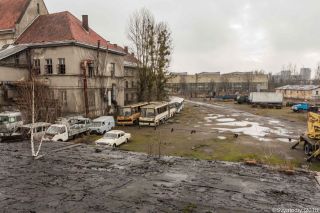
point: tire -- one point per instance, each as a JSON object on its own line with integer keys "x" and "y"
{"x": 307, "y": 148}
{"x": 104, "y": 132}
{"x": 114, "y": 146}
{"x": 127, "y": 140}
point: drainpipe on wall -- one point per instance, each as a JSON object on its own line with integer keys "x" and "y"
{"x": 85, "y": 87}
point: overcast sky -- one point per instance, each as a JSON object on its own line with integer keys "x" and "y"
{"x": 217, "y": 35}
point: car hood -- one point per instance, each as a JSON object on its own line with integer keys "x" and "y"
{"x": 105, "y": 141}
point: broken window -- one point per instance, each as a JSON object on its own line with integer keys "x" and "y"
{"x": 113, "y": 69}
{"x": 48, "y": 66}
{"x": 127, "y": 84}
{"x": 91, "y": 69}
{"x": 132, "y": 84}
{"x": 36, "y": 66}
{"x": 62, "y": 66}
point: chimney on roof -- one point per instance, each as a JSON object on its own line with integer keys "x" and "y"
{"x": 85, "y": 22}
{"x": 126, "y": 49}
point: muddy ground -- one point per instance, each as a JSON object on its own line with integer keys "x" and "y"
{"x": 264, "y": 138}
{"x": 83, "y": 179}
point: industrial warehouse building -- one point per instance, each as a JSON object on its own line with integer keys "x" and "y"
{"x": 213, "y": 83}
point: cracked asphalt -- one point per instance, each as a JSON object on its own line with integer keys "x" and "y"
{"x": 82, "y": 179}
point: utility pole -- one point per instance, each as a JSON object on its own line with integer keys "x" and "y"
{"x": 98, "y": 55}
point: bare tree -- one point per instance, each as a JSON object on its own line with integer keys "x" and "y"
{"x": 47, "y": 109}
{"x": 152, "y": 45}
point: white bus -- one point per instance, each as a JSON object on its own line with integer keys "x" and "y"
{"x": 178, "y": 102}
{"x": 154, "y": 114}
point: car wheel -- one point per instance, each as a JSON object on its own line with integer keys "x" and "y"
{"x": 104, "y": 132}
{"x": 127, "y": 140}
{"x": 307, "y": 149}
{"x": 114, "y": 145}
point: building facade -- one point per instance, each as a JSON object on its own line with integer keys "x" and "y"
{"x": 85, "y": 72}
{"x": 300, "y": 92}
{"x": 130, "y": 78}
{"x": 214, "y": 83}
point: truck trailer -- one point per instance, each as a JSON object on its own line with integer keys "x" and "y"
{"x": 266, "y": 99}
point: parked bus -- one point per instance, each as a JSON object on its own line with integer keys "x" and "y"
{"x": 129, "y": 115}
{"x": 178, "y": 102}
{"x": 154, "y": 113}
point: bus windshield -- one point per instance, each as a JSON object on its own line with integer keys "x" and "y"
{"x": 126, "y": 111}
{"x": 4, "y": 119}
{"x": 147, "y": 112}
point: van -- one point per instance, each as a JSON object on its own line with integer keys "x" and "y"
{"x": 102, "y": 125}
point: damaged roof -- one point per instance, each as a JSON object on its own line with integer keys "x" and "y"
{"x": 11, "y": 12}
{"x": 11, "y": 50}
{"x": 298, "y": 87}
{"x": 62, "y": 27}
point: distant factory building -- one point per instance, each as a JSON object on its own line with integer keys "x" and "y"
{"x": 305, "y": 73}
{"x": 214, "y": 83}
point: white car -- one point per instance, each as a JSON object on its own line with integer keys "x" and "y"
{"x": 114, "y": 138}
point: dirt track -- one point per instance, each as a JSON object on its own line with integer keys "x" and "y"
{"x": 83, "y": 180}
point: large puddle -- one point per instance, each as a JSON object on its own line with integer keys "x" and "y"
{"x": 245, "y": 123}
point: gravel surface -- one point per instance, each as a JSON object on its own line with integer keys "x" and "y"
{"x": 84, "y": 179}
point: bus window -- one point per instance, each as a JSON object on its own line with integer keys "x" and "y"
{"x": 148, "y": 112}
{"x": 125, "y": 111}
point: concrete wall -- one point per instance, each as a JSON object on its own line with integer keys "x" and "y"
{"x": 8, "y": 74}
{"x": 6, "y": 38}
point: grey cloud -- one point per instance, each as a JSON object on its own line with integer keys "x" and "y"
{"x": 217, "y": 35}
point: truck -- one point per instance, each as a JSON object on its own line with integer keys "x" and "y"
{"x": 23, "y": 132}
{"x": 300, "y": 107}
{"x": 311, "y": 139}
{"x": 242, "y": 99}
{"x": 68, "y": 128}
{"x": 266, "y": 99}
{"x": 306, "y": 107}
{"x": 9, "y": 123}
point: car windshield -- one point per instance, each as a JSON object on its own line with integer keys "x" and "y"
{"x": 147, "y": 112}
{"x": 55, "y": 130}
{"x": 110, "y": 135}
{"x": 4, "y": 119}
{"x": 126, "y": 111}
